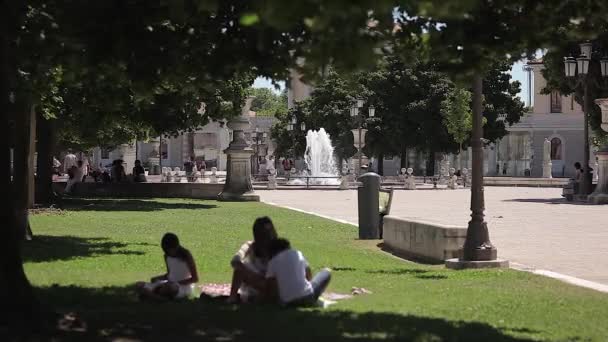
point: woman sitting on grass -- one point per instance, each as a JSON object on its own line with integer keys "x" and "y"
{"x": 250, "y": 262}
{"x": 181, "y": 274}
{"x": 289, "y": 277}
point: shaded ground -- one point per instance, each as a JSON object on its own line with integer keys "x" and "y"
{"x": 87, "y": 260}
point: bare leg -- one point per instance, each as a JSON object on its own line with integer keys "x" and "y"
{"x": 237, "y": 280}
{"x": 244, "y": 275}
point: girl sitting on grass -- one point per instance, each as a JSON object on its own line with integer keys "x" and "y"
{"x": 181, "y": 274}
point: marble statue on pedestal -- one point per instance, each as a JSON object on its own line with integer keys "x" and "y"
{"x": 452, "y": 179}
{"x": 272, "y": 179}
{"x": 410, "y": 181}
{"x": 547, "y": 165}
{"x": 466, "y": 178}
{"x": 213, "y": 177}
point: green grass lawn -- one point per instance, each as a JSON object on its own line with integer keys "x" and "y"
{"x": 86, "y": 259}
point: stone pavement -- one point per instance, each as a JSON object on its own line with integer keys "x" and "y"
{"x": 530, "y": 226}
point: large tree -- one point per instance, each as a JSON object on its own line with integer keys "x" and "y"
{"x": 146, "y": 43}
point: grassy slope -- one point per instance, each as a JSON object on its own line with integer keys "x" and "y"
{"x": 96, "y": 250}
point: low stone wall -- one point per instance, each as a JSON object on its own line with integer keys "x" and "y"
{"x": 525, "y": 181}
{"x": 181, "y": 190}
{"x": 420, "y": 240}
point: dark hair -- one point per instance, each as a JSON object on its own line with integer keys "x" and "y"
{"x": 137, "y": 161}
{"x": 171, "y": 240}
{"x": 263, "y": 234}
{"x": 577, "y": 165}
{"x": 277, "y": 246}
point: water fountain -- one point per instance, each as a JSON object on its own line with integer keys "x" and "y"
{"x": 319, "y": 158}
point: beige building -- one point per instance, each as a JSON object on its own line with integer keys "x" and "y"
{"x": 552, "y": 116}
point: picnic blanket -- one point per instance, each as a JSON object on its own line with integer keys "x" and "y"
{"x": 328, "y": 298}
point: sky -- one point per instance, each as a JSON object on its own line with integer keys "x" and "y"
{"x": 517, "y": 74}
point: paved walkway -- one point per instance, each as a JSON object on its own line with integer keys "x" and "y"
{"x": 531, "y": 226}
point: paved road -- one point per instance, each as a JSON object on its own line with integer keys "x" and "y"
{"x": 531, "y": 226}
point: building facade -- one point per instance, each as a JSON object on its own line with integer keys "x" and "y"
{"x": 553, "y": 116}
{"x": 207, "y": 143}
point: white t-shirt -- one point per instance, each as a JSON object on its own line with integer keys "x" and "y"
{"x": 289, "y": 269}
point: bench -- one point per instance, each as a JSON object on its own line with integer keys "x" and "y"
{"x": 385, "y": 199}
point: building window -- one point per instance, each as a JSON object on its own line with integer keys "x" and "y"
{"x": 556, "y": 149}
{"x": 556, "y": 102}
{"x": 105, "y": 153}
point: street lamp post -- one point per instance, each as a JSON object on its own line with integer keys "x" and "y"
{"x": 580, "y": 67}
{"x": 355, "y": 113}
{"x": 477, "y": 251}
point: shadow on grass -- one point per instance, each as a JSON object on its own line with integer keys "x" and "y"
{"x": 97, "y": 204}
{"x": 417, "y": 273}
{"x": 113, "y": 313}
{"x": 51, "y": 248}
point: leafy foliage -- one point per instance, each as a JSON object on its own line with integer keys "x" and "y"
{"x": 267, "y": 102}
{"x": 457, "y": 114}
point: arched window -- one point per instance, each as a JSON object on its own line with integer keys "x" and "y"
{"x": 556, "y": 149}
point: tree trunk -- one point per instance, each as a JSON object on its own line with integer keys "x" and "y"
{"x": 19, "y": 306}
{"x": 430, "y": 169}
{"x": 381, "y": 164}
{"x": 24, "y": 153}
{"x": 45, "y": 132}
{"x": 403, "y": 157}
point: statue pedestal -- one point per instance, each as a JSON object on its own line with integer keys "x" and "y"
{"x": 547, "y": 166}
{"x": 238, "y": 185}
{"x": 600, "y": 195}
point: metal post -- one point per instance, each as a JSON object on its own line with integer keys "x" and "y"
{"x": 585, "y": 186}
{"x": 477, "y": 246}
{"x": 359, "y": 151}
{"x": 160, "y": 153}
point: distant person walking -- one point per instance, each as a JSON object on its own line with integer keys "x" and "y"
{"x": 68, "y": 161}
{"x": 75, "y": 175}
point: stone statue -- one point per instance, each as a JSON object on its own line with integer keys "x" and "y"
{"x": 410, "y": 181}
{"x": 547, "y": 165}
{"x": 213, "y": 177}
{"x": 272, "y": 179}
{"x": 452, "y": 179}
{"x": 466, "y": 178}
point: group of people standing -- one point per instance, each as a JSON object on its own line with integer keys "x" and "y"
{"x": 266, "y": 269}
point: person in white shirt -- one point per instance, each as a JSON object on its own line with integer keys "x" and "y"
{"x": 289, "y": 276}
{"x": 181, "y": 276}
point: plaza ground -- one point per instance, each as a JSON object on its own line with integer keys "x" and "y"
{"x": 531, "y": 226}
{"x": 86, "y": 258}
